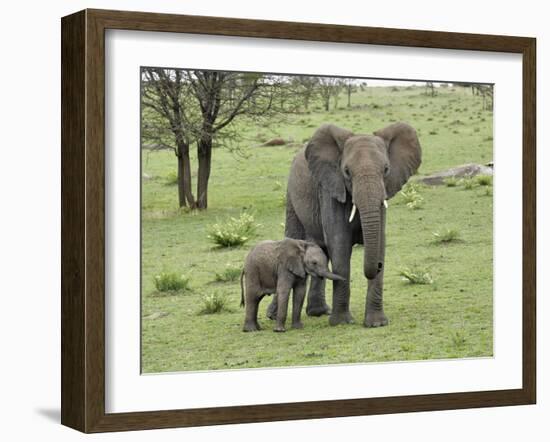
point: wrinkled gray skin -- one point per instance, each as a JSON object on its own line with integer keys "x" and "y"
{"x": 276, "y": 267}
{"x": 336, "y": 170}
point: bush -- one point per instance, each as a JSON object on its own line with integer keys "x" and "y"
{"x": 229, "y": 274}
{"x": 468, "y": 183}
{"x": 484, "y": 180}
{"x": 213, "y": 303}
{"x": 171, "y": 179}
{"x": 171, "y": 282}
{"x": 411, "y": 196}
{"x": 416, "y": 275}
{"x": 451, "y": 182}
{"x": 235, "y": 232}
{"x": 447, "y": 235}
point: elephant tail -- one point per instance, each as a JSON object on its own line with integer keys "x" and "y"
{"x": 242, "y": 289}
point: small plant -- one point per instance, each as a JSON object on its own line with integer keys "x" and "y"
{"x": 451, "y": 181}
{"x": 468, "y": 183}
{"x": 229, "y": 274}
{"x": 447, "y": 235}
{"x": 488, "y": 191}
{"x": 484, "y": 180}
{"x": 171, "y": 282}
{"x": 411, "y": 196}
{"x": 171, "y": 178}
{"x": 416, "y": 275}
{"x": 458, "y": 338}
{"x": 234, "y": 232}
{"x": 213, "y": 303}
{"x": 277, "y": 185}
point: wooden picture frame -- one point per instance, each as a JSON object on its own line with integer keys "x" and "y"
{"x": 83, "y": 220}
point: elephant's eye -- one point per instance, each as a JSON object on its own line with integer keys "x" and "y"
{"x": 346, "y": 173}
{"x": 386, "y": 170}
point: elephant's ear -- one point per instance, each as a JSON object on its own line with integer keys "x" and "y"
{"x": 404, "y": 153}
{"x": 292, "y": 257}
{"x": 323, "y": 158}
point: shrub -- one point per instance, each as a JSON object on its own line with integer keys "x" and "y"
{"x": 171, "y": 282}
{"x": 229, "y": 274}
{"x": 468, "y": 183}
{"x": 234, "y": 232}
{"x": 451, "y": 181}
{"x": 416, "y": 275}
{"x": 213, "y": 303}
{"x": 411, "y": 196}
{"x": 446, "y": 235}
{"x": 171, "y": 178}
{"x": 484, "y": 180}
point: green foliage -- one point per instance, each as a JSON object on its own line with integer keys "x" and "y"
{"x": 468, "y": 183}
{"x": 451, "y": 181}
{"x": 411, "y": 196}
{"x": 416, "y": 275}
{"x": 171, "y": 282}
{"x": 171, "y": 178}
{"x": 446, "y": 235}
{"x": 231, "y": 273}
{"x": 234, "y": 232}
{"x": 484, "y": 180}
{"x": 214, "y": 303}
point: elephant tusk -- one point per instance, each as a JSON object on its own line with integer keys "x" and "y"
{"x": 352, "y": 215}
{"x": 386, "y": 204}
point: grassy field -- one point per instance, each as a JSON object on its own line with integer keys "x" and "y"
{"x": 450, "y": 318}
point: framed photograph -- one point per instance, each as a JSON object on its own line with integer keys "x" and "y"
{"x": 268, "y": 221}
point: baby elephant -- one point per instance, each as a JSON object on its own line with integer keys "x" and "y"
{"x": 276, "y": 267}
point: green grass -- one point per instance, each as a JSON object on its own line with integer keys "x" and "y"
{"x": 451, "y": 318}
{"x": 416, "y": 275}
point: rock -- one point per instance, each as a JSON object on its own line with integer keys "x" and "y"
{"x": 275, "y": 142}
{"x": 466, "y": 170}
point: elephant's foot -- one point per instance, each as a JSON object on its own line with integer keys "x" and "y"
{"x": 376, "y": 319}
{"x": 318, "y": 310}
{"x": 271, "y": 312}
{"x": 298, "y": 325}
{"x": 340, "y": 318}
{"x": 251, "y": 326}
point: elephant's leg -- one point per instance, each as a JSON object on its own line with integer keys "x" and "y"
{"x": 374, "y": 307}
{"x": 341, "y": 257}
{"x": 283, "y": 292}
{"x": 253, "y": 296}
{"x": 295, "y": 230}
{"x": 298, "y": 295}
{"x": 316, "y": 299}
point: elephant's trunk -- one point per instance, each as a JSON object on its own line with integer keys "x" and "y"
{"x": 369, "y": 205}
{"x": 330, "y": 275}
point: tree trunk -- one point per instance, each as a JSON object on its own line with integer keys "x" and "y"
{"x": 205, "y": 164}
{"x": 327, "y": 103}
{"x": 185, "y": 189}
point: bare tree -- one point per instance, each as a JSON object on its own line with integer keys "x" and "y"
{"x": 307, "y": 87}
{"x": 329, "y": 87}
{"x": 486, "y": 92}
{"x": 199, "y": 107}
{"x": 430, "y": 88}
{"x": 350, "y": 87}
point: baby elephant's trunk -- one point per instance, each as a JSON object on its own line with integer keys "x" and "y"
{"x": 242, "y": 289}
{"x": 332, "y": 276}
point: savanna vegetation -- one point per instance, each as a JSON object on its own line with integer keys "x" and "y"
{"x": 438, "y": 280}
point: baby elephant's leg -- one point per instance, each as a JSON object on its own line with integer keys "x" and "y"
{"x": 298, "y": 295}
{"x": 253, "y": 297}
{"x": 283, "y": 292}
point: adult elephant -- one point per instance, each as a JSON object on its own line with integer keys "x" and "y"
{"x": 337, "y": 175}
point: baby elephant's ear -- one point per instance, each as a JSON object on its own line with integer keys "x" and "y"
{"x": 295, "y": 264}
